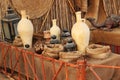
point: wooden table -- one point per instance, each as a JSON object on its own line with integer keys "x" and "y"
{"x": 111, "y": 38}
{"x": 50, "y": 67}
{"x": 107, "y": 37}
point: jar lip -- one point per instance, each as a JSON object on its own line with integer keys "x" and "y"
{"x": 23, "y": 11}
{"x": 54, "y": 20}
{"x": 78, "y": 12}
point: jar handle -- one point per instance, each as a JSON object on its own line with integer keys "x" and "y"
{"x": 83, "y": 20}
{"x": 27, "y": 16}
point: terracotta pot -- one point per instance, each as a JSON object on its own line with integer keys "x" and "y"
{"x": 47, "y": 36}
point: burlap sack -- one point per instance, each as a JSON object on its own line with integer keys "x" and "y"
{"x": 69, "y": 56}
{"x": 98, "y": 51}
{"x": 52, "y": 50}
{"x": 18, "y": 42}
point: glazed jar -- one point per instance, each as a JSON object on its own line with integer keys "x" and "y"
{"x": 25, "y": 30}
{"x": 80, "y": 33}
{"x": 55, "y": 30}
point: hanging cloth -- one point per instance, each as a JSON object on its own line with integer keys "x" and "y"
{"x": 112, "y": 7}
{"x": 35, "y": 9}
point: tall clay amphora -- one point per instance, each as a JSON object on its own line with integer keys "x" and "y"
{"x": 25, "y": 30}
{"x": 55, "y": 30}
{"x": 80, "y": 33}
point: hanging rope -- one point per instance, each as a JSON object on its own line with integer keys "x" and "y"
{"x": 46, "y": 17}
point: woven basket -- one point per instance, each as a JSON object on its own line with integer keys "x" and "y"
{"x": 98, "y": 51}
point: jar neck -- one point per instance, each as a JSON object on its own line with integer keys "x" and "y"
{"x": 54, "y": 21}
{"x": 23, "y": 14}
{"x": 78, "y": 16}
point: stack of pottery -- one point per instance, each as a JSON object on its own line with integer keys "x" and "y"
{"x": 65, "y": 35}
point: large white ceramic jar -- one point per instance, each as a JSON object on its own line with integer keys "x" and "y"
{"x": 80, "y": 33}
{"x": 25, "y": 30}
{"x": 55, "y": 30}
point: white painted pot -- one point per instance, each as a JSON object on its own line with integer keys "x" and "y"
{"x": 25, "y": 30}
{"x": 80, "y": 33}
{"x": 55, "y": 30}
